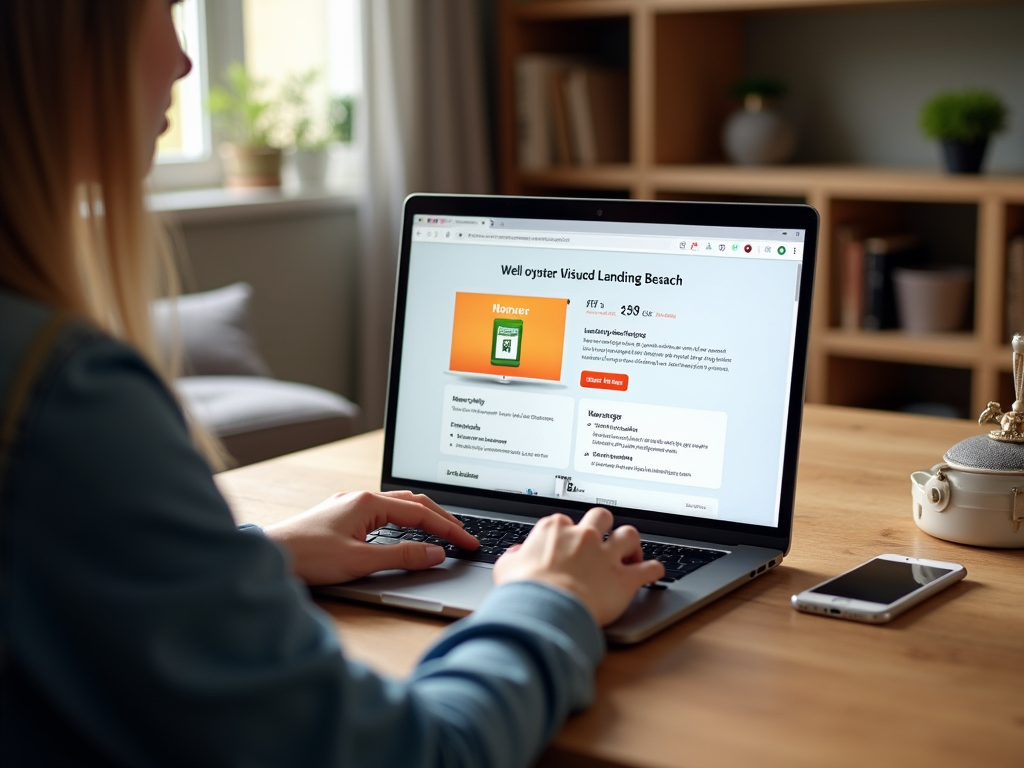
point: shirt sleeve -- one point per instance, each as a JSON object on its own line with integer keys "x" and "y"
{"x": 167, "y": 637}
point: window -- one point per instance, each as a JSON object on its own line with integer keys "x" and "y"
{"x": 276, "y": 39}
{"x": 188, "y": 136}
{"x": 184, "y": 154}
{"x": 285, "y": 37}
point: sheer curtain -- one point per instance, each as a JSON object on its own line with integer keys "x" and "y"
{"x": 423, "y": 127}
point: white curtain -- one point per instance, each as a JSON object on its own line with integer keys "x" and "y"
{"x": 422, "y": 124}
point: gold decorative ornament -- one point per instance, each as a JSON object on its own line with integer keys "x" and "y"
{"x": 1012, "y": 422}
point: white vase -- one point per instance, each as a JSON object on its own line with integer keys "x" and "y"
{"x": 757, "y": 134}
{"x": 311, "y": 169}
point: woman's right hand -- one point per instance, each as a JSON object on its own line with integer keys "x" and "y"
{"x": 604, "y": 574}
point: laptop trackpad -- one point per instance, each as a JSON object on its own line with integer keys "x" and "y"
{"x": 455, "y": 587}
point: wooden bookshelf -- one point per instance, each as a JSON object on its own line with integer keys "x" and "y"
{"x": 674, "y": 155}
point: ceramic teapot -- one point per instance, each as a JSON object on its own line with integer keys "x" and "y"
{"x": 976, "y": 495}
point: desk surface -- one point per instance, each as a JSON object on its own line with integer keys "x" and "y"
{"x": 748, "y": 681}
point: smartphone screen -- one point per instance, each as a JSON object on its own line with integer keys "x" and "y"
{"x": 881, "y": 581}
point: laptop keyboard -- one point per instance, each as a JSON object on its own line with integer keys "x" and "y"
{"x": 498, "y": 535}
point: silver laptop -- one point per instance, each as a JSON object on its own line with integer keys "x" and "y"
{"x": 556, "y": 354}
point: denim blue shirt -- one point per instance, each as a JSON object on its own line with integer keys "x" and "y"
{"x": 139, "y": 627}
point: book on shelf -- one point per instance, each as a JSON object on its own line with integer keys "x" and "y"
{"x": 1014, "y": 296}
{"x": 849, "y": 261}
{"x": 560, "y": 119}
{"x": 597, "y": 104}
{"x": 881, "y": 256}
{"x": 569, "y": 111}
{"x": 537, "y": 76}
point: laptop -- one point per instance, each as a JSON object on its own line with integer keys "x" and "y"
{"x": 550, "y": 355}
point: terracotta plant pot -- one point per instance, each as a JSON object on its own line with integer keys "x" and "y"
{"x": 933, "y": 300}
{"x": 246, "y": 166}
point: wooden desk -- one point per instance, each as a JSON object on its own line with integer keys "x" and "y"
{"x": 749, "y": 681}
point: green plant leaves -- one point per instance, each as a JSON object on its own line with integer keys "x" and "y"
{"x": 242, "y": 110}
{"x": 963, "y": 115}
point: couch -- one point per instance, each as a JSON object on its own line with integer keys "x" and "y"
{"x": 229, "y": 388}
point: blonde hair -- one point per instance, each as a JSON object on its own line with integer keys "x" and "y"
{"x": 93, "y": 250}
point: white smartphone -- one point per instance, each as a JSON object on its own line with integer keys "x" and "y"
{"x": 879, "y": 589}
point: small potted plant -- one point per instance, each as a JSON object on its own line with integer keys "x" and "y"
{"x": 309, "y": 129}
{"x": 963, "y": 121}
{"x": 757, "y": 134}
{"x": 247, "y": 118}
{"x": 341, "y": 118}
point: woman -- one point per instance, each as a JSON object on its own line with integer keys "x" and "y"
{"x": 138, "y": 625}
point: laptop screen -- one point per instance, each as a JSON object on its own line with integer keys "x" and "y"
{"x": 633, "y": 364}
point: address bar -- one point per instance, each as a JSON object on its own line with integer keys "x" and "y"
{"x": 521, "y": 238}
{"x": 575, "y": 240}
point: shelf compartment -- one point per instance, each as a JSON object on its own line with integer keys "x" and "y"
{"x": 557, "y": 47}
{"x": 949, "y": 230}
{"x": 949, "y": 238}
{"x": 894, "y": 386}
{"x": 697, "y": 56}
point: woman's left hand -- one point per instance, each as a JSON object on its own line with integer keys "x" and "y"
{"x": 328, "y": 542}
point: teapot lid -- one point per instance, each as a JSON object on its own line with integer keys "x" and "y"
{"x": 984, "y": 453}
{"x": 1001, "y": 450}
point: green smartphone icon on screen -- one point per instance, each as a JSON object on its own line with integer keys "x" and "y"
{"x": 506, "y": 342}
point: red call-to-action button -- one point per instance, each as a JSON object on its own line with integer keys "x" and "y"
{"x": 598, "y": 380}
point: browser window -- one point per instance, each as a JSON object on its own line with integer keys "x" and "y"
{"x": 641, "y": 366}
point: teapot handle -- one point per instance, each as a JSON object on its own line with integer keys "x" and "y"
{"x": 931, "y": 489}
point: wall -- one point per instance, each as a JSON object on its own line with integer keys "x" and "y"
{"x": 858, "y": 77}
{"x": 302, "y": 269}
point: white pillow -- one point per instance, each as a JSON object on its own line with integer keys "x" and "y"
{"x": 215, "y": 331}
